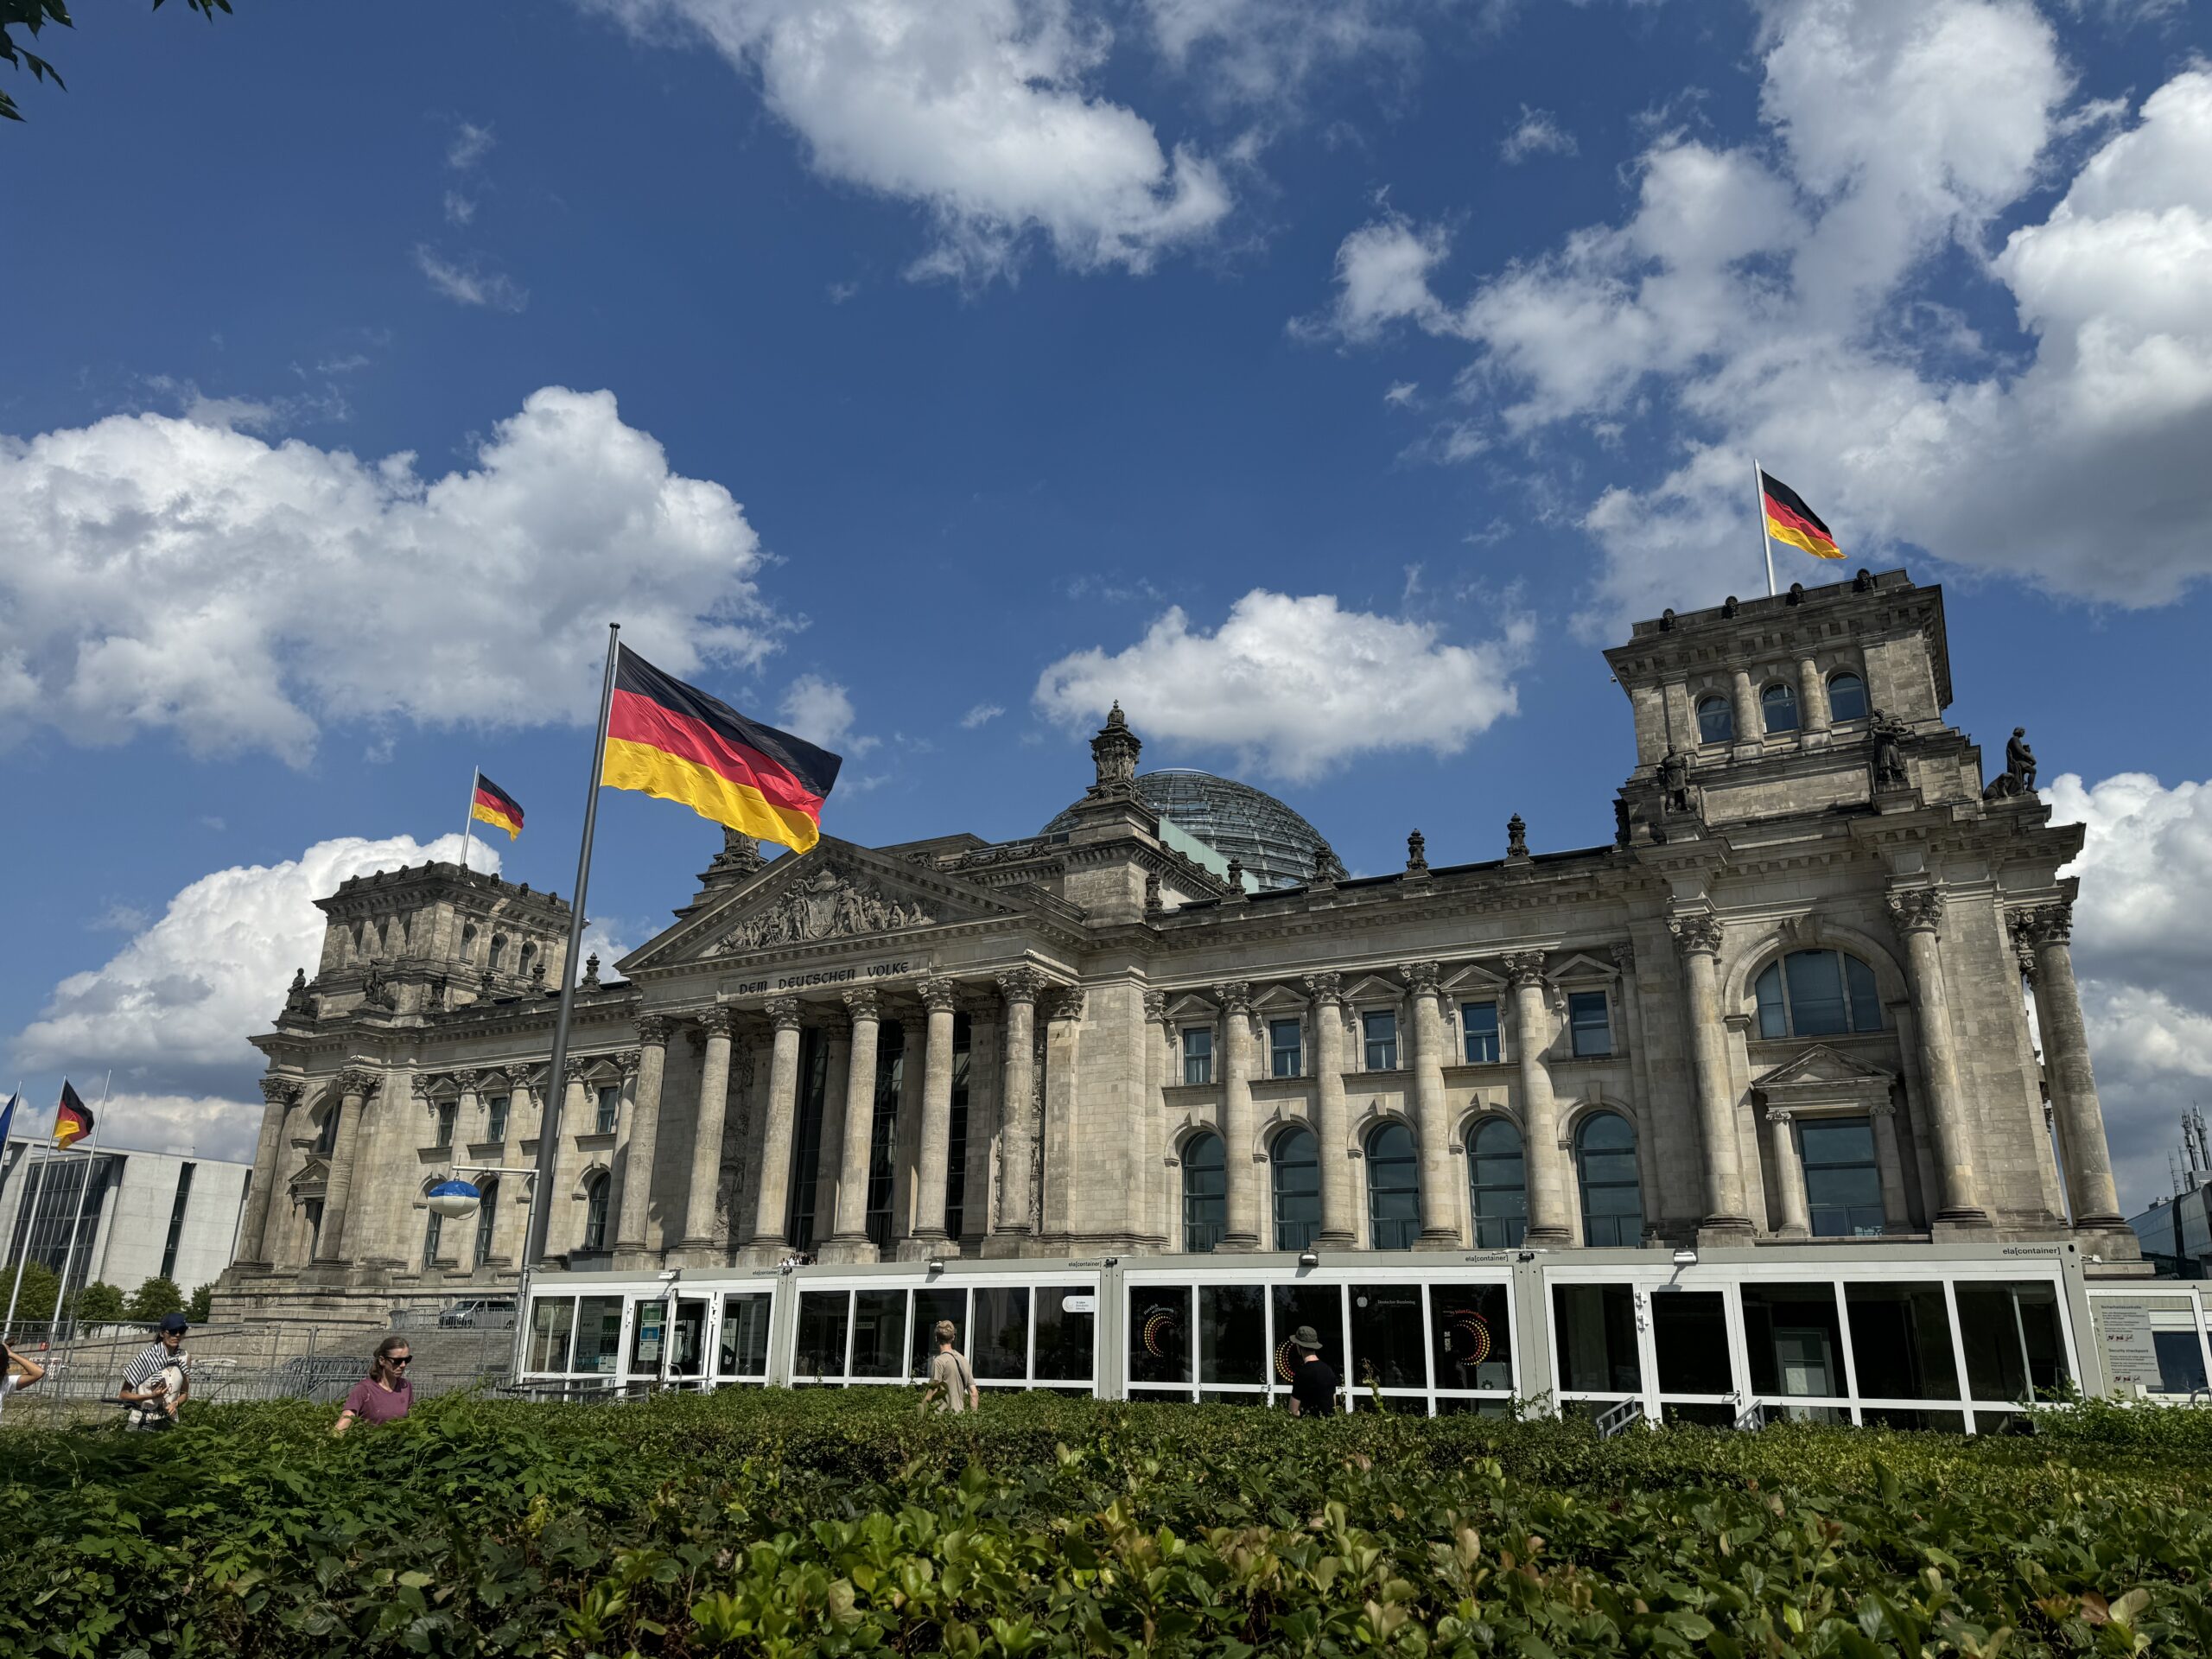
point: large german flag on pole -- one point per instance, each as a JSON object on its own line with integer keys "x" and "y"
{"x": 673, "y": 739}
{"x": 1789, "y": 520}
{"x": 73, "y": 1119}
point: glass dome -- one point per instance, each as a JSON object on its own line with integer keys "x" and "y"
{"x": 1276, "y": 847}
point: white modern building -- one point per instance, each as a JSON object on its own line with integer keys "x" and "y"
{"x": 143, "y": 1215}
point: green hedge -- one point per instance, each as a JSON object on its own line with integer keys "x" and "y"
{"x": 824, "y": 1521}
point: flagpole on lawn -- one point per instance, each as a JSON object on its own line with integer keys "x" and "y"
{"x": 557, "y": 1087}
{"x": 38, "y": 1185}
{"x": 76, "y": 1220}
{"x": 468, "y": 819}
{"x": 1766, "y": 541}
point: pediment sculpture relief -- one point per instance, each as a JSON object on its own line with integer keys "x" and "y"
{"x": 828, "y": 903}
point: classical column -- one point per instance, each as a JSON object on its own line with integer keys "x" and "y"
{"x": 1548, "y": 1221}
{"x": 771, "y": 1212}
{"x": 355, "y": 1085}
{"x": 1332, "y": 1121}
{"x": 1724, "y": 1206}
{"x": 851, "y": 1242}
{"x": 1795, "y": 1220}
{"x": 1812, "y": 696}
{"x": 1750, "y": 726}
{"x": 641, "y": 1133}
{"x": 720, "y": 1025}
{"x": 1020, "y": 988}
{"x": 1242, "y": 1231}
{"x": 279, "y": 1094}
{"x": 568, "y": 1158}
{"x": 1919, "y": 913}
{"x": 1440, "y": 1209}
{"x": 1889, "y": 1163}
{"x": 1151, "y": 1212}
{"x": 2046, "y": 931}
{"x": 938, "y": 994}
{"x": 983, "y": 1010}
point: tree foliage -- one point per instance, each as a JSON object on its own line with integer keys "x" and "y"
{"x": 30, "y": 17}
{"x": 34, "y": 1303}
{"x": 202, "y": 1299}
{"x": 99, "y": 1303}
{"x": 155, "y": 1297}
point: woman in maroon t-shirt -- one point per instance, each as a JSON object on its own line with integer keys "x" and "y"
{"x": 384, "y": 1394}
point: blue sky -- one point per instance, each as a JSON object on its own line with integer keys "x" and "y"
{"x": 1329, "y": 382}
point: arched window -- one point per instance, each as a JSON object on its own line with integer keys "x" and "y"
{"x": 1817, "y": 994}
{"x": 1605, "y": 1163}
{"x": 468, "y": 941}
{"x": 431, "y": 1229}
{"x": 529, "y": 953}
{"x": 595, "y": 1186}
{"x": 1205, "y": 1192}
{"x": 326, "y": 1139}
{"x": 1716, "y": 721}
{"x": 1297, "y": 1169}
{"x": 1847, "y": 696}
{"x": 497, "y": 958}
{"x": 1393, "y": 1188}
{"x": 1778, "y": 708}
{"x": 487, "y": 1213}
{"x": 1497, "y": 1179}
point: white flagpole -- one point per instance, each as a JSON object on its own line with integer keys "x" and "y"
{"x": 76, "y": 1220}
{"x": 1766, "y": 541}
{"x": 556, "y": 1086}
{"x": 38, "y": 1185}
{"x": 468, "y": 819}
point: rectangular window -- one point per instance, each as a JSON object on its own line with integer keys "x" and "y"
{"x": 1479, "y": 1022}
{"x": 599, "y": 1334}
{"x": 822, "y": 1317}
{"x": 1774, "y": 1021}
{"x": 1816, "y": 1007}
{"x": 1588, "y": 1016}
{"x": 1001, "y": 1333}
{"x": 878, "y": 1333}
{"x": 552, "y": 1325}
{"x": 2015, "y": 1349}
{"x": 495, "y": 1126}
{"x": 1286, "y": 1054}
{"x": 1843, "y": 1186}
{"x": 1197, "y": 1055}
{"x": 610, "y": 1110}
{"x": 1796, "y": 1341}
{"x": 1065, "y": 1336}
{"x": 1598, "y": 1349}
{"x": 176, "y": 1221}
{"x": 1901, "y": 1340}
{"x": 1381, "y": 1030}
{"x": 448, "y": 1110}
{"x": 742, "y": 1348}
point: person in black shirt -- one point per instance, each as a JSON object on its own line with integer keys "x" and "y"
{"x": 1312, "y": 1384}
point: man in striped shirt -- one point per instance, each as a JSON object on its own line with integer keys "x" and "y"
{"x": 156, "y": 1382}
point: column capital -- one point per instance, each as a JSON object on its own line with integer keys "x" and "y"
{"x": 1021, "y": 984}
{"x": 862, "y": 1003}
{"x": 574, "y": 1067}
{"x": 1697, "y": 932}
{"x": 1155, "y": 1007}
{"x": 1421, "y": 977}
{"x": 718, "y": 1022}
{"x": 655, "y": 1029}
{"x": 1235, "y": 995}
{"x": 1780, "y": 1115}
{"x": 1882, "y": 1109}
{"x": 358, "y": 1081}
{"x": 1066, "y": 1003}
{"x": 627, "y": 1058}
{"x": 782, "y": 1012}
{"x": 1524, "y": 969}
{"x": 1624, "y": 957}
{"x": 466, "y": 1078}
{"x": 1916, "y": 909}
{"x": 1325, "y": 988}
{"x": 937, "y": 992}
{"x": 284, "y": 1091}
{"x": 517, "y": 1076}
{"x": 2044, "y": 925}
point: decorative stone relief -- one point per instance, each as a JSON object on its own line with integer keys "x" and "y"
{"x": 829, "y": 904}
{"x": 1697, "y": 932}
{"x": 1917, "y": 910}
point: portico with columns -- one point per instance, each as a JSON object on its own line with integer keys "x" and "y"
{"x": 1788, "y": 1001}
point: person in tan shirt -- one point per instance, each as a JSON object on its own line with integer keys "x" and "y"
{"x": 951, "y": 1380}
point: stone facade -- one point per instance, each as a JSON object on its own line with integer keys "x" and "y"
{"x": 960, "y": 1047}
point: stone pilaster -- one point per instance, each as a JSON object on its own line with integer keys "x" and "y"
{"x": 634, "y": 1155}
{"x": 1238, "y": 1124}
{"x": 1332, "y": 1117}
{"x": 699, "y": 1244}
{"x": 1019, "y": 986}
{"x": 279, "y": 1096}
{"x": 1794, "y": 1220}
{"x": 1725, "y": 1209}
{"x": 1918, "y": 912}
{"x": 356, "y": 1086}
{"x": 1549, "y": 1224}
{"x": 937, "y": 997}
{"x": 1440, "y": 1224}
{"x": 771, "y": 1212}
{"x": 2046, "y": 932}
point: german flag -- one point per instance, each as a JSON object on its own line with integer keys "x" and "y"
{"x": 673, "y": 739}
{"x": 493, "y": 805}
{"x": 1789, "y": 520}
{"x": 73, "y": 1119}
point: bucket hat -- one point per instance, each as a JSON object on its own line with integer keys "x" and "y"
{"x": 1304, "y": 1338}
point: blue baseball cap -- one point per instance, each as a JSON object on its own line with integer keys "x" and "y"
{"x": 174, "y": 1322}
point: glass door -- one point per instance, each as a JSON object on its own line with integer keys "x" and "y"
{"x": 1644, "y": 1345}
{"x": 1692, "y": 1363}
{"x": 684, "y": 1351}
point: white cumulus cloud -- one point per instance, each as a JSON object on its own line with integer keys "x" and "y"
{"x": 171, "y": 1011}
{"x": 164, "y": 575}
{"x": 984, "y": 113}
{"x": 1296, "y": 685}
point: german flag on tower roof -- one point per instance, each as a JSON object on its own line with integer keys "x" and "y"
{"x": 671, "y": 740}
{"x": 493, "y": 805}
{"x": 1789, "y": 520}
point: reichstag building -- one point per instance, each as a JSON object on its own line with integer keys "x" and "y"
{"x": 1785, "y": 1010}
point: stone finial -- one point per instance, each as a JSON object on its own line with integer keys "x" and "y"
{"x": 1417, "y": 853}
{"x": 1863, "y": 582}
{"x": 739, "y": 859}
{"x": 1516, "y": 837}
{"x": 591, "y": 972}
{"x": 1624, "y": 827}
{"x": 1730, "y": 606}
{"x": 1235, "y": 879}
{"x": 1666, "y": 620}
{"x": 1324, "y": 874}
{"x": 1796, "y": 593}
{"x": 1114, "y": 752}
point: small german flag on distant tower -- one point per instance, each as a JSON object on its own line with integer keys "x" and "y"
{"x": 493, "y": 805}
{"x": 671, "y": 740}
{"x": 1789, "y": 520}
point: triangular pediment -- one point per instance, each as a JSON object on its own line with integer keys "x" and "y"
{"x": 834, "y": 892}
{"x": 312, "y": 1177}
{"x": 1822, "y": 1067}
